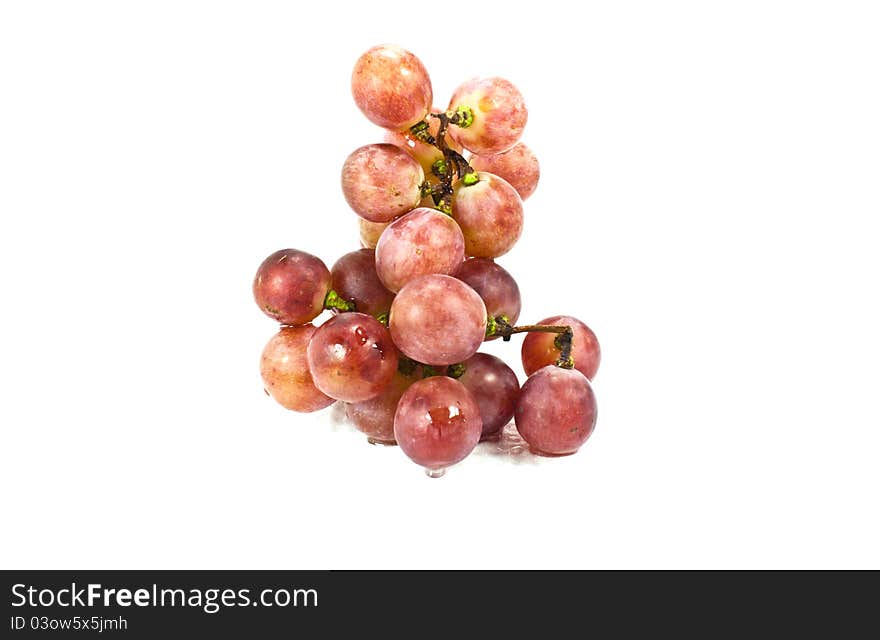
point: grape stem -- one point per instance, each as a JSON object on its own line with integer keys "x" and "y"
{"x": 564, "y": 339}
{"x": 453, "y": 163}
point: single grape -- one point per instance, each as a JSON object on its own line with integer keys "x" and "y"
{"x": 494, "y": 285}
{"x": 285, "y": 370}
{"x": 425, "y": 154}
{"x": 354, "y": 279}
{"x": 556, "y": 411}
{"x": 518, "y": 166}
{"x": 381, "y": 182}
{"x": 539, "y": 349}
{"x": 370, "y": 232}
{"x": 421, "y": 242}
{"x": 490, "y": 215}
{"x": 499, "y": 115}
{"x": 290, "y": 286}
{"x": 391, "y": 87}
{"x": 438, "y": 320}
{"x": 375, "y": 417}
{"x": 495, "y": 388}
{"x": 351, "y": 357}
{"x": 437, "y": 423}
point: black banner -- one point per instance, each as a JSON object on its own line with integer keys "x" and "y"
{"x": 276, "y": 604}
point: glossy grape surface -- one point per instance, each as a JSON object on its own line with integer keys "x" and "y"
{"x": 556, "y": 411}
{"x": 285, "y": 370}
{"x": 518, "y": 166}
{"x": 375, "y": 417}
{"x": 539, "y": 349}
{"x": 370, "y": 232}
{"x": 290, "y": 286}
{"x": 437, "y": 422}
{"x": 391, "y": 87}
{"x": 494, "y": 387}
{"x": 351, "y": 357}
{"x": 499, "y": 112}
{"x": 495, "y": 286}
{"x": 354, "y": 279}
{"x": 423, "y": 241}
{"x": 381, "y": 182}
{"x": 438, "y": 320}
{"x": 490, "y": 214}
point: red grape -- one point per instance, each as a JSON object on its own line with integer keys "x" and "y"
{"x": 351, "y": 357}
{"x": 425, "y": 154}
{"x": 381, "y": 182}
{"x": 285, "y": 370}
{"x": 375, "y": 417}
{"x": 518, "y": 166}
{"x": 391, "y": 87}
{"x": 556, "y": 411}
{"x": 495, "y": 388}
{"x": 421, "y": 242}
{"x": 539, "y": 349}
{"x": 437, "y": 422}
{"x": 495, "y": 286}
{"x": 499, "y": 115}
{"x": 370, "y": 232}
{"x": 290, "y": 286}
{"x": 355, "y": 280}
{"x": 438, "y": 320}
{"x": 490, "y": 215}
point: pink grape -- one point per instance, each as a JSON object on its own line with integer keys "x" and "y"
{"x": 425, "y": 154}
{"x": 490, "y": 215}
{"x": 370, "y": 232}
{"x": 539, "y": 349}
{"x": 437, "y": 422}
{"x": 354, "y": 279}
{"x": 351, "y": 357}
{"x": 499, "y": 115}
{"x": 518, "y": 166}
{"x": 494, "y": 285}
{"x": 375, "y": 417}
{"x": 495, "y": 388}
{"x": 421, "y": 242}
{"x": 381, "y": 182}
{"x": 556, "y": 411}
{"x": 438, "y": 320}
{"x": 285, "y": 370}
{"x": 291, "y": 285}
{"x": 391, "y": 87}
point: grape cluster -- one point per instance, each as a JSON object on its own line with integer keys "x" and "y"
{"x": 438, "y": 201}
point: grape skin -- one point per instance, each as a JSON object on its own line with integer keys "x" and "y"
{"x": 437, "y": 422}
{"x": 539, "y": 349}
{"x": 370, "y": 232}
{"x": 421, "y": 242}
{"x": 518, "y": 166}
{"x": 495, "y": 286}
{"x": 375, "y": 417}
{"x": 285, "y": 371}
{"x": 391, "y": 87}
{"x": 490, "y": 215}
{"x": 499, "y": 111}
{"x": 291, "y": 285}
{"x": 351, "y": 357}
{"x": 495, "y": 388}
{"x": 438, "y": 320}
{"x": 354, "y": 279}
{"x": 381, "y": 182}
{"x": 556, "y": 411}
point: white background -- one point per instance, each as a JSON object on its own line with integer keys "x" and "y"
{"x": 708, "y": 205}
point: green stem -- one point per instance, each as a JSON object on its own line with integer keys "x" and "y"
{"x": 564, "y": 340}
{"x": 334, "y": 301}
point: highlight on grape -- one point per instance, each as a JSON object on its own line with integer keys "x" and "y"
{"x": 437, "y": 202}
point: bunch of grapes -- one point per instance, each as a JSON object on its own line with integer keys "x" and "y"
{"x": 438, "y": 201}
